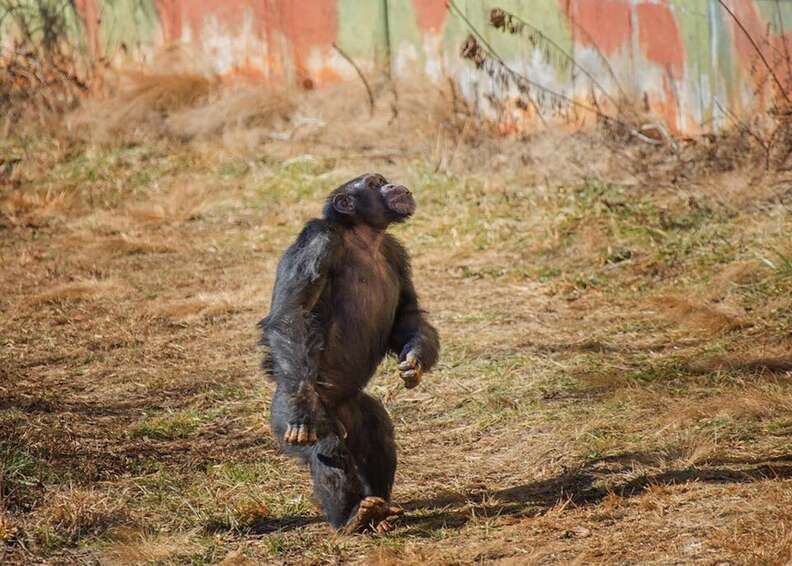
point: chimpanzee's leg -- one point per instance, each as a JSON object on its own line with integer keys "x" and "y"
{"x": 352, "y": 470}
{"x": 370, "y": 440}
{"x": 336, "y": 482}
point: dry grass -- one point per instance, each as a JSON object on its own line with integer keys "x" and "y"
{"x": 243, "y": 108}
{"x": 75, "y": 514}
{"x": 84, "y": 290}
{"x": 616, "y": 343}
{"x": 126, "y": 245}
{"x": 8, "y": 528}
{"x": 21, "y": 209}
{"x": 746, "y": 363}
{"x": 182, "y": 204}
{"x": 699, "y": 314}
{"x": 183, "y": 106}
{"x": 144, "y": 102}
{"x": 134, "y": 547}
{"x": 203, "y": 305}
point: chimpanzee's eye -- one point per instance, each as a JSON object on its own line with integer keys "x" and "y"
{"x": 375, "y": 181}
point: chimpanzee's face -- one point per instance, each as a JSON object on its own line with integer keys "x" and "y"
{"x": 372, "y": 200}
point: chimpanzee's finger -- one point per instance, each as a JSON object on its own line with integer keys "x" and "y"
{"x": 302, "y": 435}
{"x": 409, "y": 374}
{"x": 312, "y": 437}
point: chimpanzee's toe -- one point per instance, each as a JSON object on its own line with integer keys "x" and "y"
{"x": 372, "y": 515}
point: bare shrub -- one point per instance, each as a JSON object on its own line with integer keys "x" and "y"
{"x": 41, "y": 72}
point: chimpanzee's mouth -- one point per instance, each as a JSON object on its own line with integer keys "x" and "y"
{"x": 398, "y": 199}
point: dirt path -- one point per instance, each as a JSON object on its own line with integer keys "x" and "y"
{"x": 583, "y": 411}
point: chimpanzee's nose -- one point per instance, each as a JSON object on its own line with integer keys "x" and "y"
{"x": 390, "y": 188}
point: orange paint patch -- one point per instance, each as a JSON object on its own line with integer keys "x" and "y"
{"x": 89, "y": 12}
{"x": 169, "y": 12}
{"x": 430, "y": 14}
{"x": 309, "y": 26}
{"x": 669, "y": 106}
{"x": 602, "y": 24}
{"x": 749, "y": 16}
{"x": 659, "y": 38}
{"x": 325, "y": 76}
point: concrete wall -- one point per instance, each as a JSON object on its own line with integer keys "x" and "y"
{"x": 685, "y": 59}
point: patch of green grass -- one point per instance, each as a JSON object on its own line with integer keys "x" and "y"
{"x": 19, "y": 468}
{"x": 303, "y": 178}
{"x": 22, "y": 471}
{"x": 170, "y": 426}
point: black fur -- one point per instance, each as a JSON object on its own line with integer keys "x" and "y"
{"x": 343, "y": 299}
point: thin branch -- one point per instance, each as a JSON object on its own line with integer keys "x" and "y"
{"x": 521, "y": 78}
{"x": 758, "y": 50}
{"x": 566, "y": 55}
{"x": 349, "y": 60}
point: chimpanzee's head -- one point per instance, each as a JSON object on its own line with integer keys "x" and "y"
{"x": 369, "y": 199}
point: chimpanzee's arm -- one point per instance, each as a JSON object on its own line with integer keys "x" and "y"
{"x": 413, "y": 339}
{"x": 292, "y": 332}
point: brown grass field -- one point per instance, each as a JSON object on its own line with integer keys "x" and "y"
{"x": 615, "y": 382}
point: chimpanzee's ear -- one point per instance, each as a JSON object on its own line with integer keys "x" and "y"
{"x": 344, "y": 203}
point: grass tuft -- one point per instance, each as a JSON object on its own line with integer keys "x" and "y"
{"x": 699, "y": 314}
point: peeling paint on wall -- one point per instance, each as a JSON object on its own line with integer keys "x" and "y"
{"x": 688, "y": 60}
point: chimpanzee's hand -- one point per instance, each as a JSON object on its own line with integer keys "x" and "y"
{"x": 410, "y": 370}
{"x": 307, "y": 417}
{"x": 301, "y": 433}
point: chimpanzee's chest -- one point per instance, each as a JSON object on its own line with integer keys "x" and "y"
{"x": 365, "y": 292}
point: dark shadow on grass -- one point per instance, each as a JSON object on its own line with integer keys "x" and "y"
{"x": 454, "y": 510}
{"x": 262, "y": 526}
{"x": 598, "y": 347}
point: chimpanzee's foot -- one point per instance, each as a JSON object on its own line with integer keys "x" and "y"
{"x": 372, "y": 514}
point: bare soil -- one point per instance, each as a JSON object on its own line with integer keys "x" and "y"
{"x": 615, "y": 376}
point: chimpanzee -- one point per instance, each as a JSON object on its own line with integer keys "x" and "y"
{"x": 343, "y": 299}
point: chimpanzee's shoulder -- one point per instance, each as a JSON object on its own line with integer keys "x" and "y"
{"x": 317, "y": 236}
{"x": 316, "y": 228}
{"x": 312, "y": 251}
